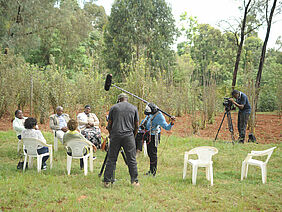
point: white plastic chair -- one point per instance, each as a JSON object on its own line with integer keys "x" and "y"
{"x": 249, "y": 161}
{"x": 31, "y": 145}
{"x": 55, "y": 141}
{"x": 77, "y": 146}
{"x": 205, "y": 154}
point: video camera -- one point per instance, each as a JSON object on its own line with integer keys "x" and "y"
{"x": 228, "y": 104}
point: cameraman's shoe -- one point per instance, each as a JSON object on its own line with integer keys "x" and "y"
{"x": 241, "y": 141}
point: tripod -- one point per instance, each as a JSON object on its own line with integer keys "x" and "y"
{"x": 105, "y": 161}
{"x": 230, "y": 125}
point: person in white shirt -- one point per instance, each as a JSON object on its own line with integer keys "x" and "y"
{"x": 32, "y": 131}
{"x": 89, "y": 126}
{"x": 58, "y": 123}
{"x": 18, "y": 123}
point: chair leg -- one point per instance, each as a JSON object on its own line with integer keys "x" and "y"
{"x": 263, "y": 174}
{"x": 55, "y": 143}
{"x": 39, "y": 162}
{"x": 85, "y": 163}
{"x": 185, "y": 165}
{"x": 69, "y": 159}
{"x": 208, "y": 173}
{"x": 25, "y": 159}
{"x": 211, "y": 174}
{"x": 194, "y": 174}
{"x": 243, "y": 169}
{"x": 19, "y": 144}
{"x": 30, "y": 162}
{"x": 246, "y": 170}
{"x": 145, "y": 149}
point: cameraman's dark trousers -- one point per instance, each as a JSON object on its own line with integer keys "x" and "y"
{"x": 153, "y": 153}
{"x": 242, "y": 125}
{"x": 128, "y": 144}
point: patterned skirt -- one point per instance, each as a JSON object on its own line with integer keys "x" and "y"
{"x": 93, "y": 135}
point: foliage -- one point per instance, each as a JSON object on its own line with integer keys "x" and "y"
{"x": 139, "y": 29}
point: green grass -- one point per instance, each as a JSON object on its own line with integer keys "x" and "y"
{"x": 55, "y": 190}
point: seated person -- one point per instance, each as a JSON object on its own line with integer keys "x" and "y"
{"x": 58, "y": 122}
{"x": 73, "y": 133}
{"x": 89, "y": 126}
{"x": 32, "y": 131}
{"x": 18, "y": 123}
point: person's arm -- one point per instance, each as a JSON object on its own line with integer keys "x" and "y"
{"x": 52, "y": 124}
{"x": 17, "y": 127}
{"x": 162, "y": 122}
{"x": 240, "y": 106}
{"x": 96, "y": 121}
{"x": 136, "y": 120}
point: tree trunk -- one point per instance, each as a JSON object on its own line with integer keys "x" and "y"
{"x": 263, "y": 51}
{"x": 239, "y": 50}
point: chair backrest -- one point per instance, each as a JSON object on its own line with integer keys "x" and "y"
{"x": 31, "y": 145}
{"x": 77, "y": 146}
{"x": 204, "y": 153}
{"x": 267, "y": 152}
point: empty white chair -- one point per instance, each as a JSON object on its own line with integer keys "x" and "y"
{"x": 204, "y": 154}
{"x": 77, "y": 148}
{"x": 31, "y": 145}
{"x": 249, "y": 161}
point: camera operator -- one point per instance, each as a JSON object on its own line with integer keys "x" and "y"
{"x": 152, "y": 123}
{"x": 122, "y": 126}
{"x": 244, "y": 106}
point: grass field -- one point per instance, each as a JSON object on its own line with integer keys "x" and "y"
{"x": 54, "y": 190}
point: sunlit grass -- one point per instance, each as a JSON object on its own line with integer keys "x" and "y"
{"x": 55, "y": 190}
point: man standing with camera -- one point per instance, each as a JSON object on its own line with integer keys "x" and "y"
{"x": 122, "y": 126}
{"x": 244, "y": 106}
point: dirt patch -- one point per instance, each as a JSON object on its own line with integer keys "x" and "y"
{"x": 268, "y": 128}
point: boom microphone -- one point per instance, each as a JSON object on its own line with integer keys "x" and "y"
{"x": 108, "y": 82}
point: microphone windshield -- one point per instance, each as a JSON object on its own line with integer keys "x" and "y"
{"x": 108, "y": 82}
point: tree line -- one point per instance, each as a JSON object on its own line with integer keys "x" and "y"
{"x": 58, "y": 52}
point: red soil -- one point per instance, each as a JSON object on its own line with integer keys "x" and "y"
{"x": 268, "y": 128}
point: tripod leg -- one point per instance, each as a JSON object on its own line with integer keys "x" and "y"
{"x": 124, "y": 156}
{"x": 230, "y": 126}
{"x": 220, "y": 126}
{"x": 103, "y": 166}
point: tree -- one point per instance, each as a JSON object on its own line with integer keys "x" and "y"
{"x": 139, "y": 29}
{"x": 263, "y": 51}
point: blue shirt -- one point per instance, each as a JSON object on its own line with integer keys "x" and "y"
{"x": 158, "y": 121}
{"x": 62, "y": 121}
{"x": 243, "y": 100}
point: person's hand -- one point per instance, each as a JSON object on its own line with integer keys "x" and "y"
{"x": 36, "y": 127}
{"x": 91, "y": 124}
{"x": 172, "y": 120}
{"x": 232, "y": 100}
{"x": 88, "y": 125}
{"x": 64, "y": 129}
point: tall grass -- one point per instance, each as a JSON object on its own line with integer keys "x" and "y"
{"x": 54, "y": 190}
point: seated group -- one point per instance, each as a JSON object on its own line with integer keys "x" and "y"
{"x": 86, "y": 128}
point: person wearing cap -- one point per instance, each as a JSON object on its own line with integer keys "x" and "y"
{"x": 88, "y": 124}
{"x": 122, "y": 126}
{"x": 153, "y": 122}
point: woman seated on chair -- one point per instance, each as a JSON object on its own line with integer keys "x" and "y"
{"x": 89, "y": 126}
{"x": 32, "y": 131}
{"x": 18, "y": 123}
{"x": 73, "y": 133}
